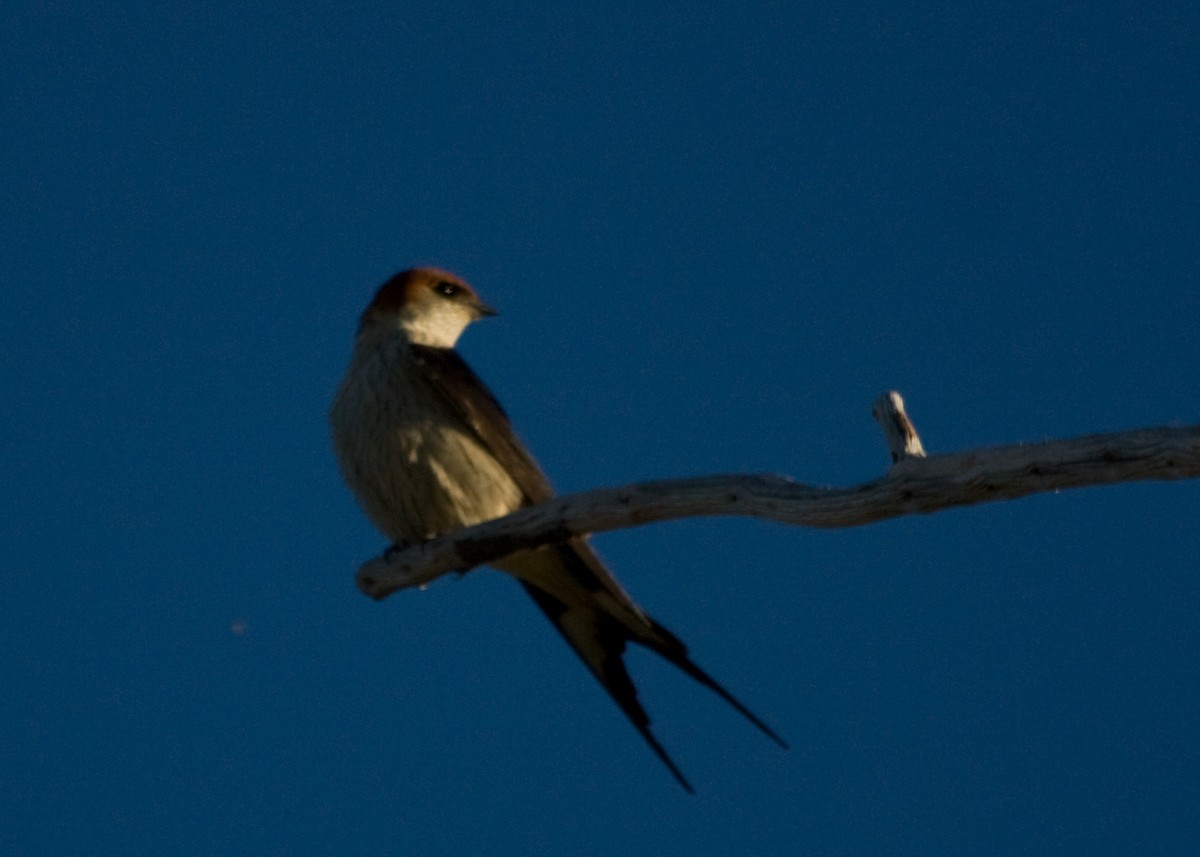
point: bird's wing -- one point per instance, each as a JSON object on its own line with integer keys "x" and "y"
{"x": 468, "y": 398}
{"x": 465, "y": 396}
{"x": 568, "y": 581}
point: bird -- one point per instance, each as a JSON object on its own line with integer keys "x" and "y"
{"x": 427, "y": 449}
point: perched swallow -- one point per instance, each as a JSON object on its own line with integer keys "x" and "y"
{"x": 427, "y": 449}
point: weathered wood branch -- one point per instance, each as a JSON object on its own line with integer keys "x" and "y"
{"x": 898, "y": 431}
{"x": 914, "y": 485}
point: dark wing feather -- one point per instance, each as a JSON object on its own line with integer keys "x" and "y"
{"x": 464, "y": 394}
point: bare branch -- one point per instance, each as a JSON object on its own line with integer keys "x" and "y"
{"x": 914, "y": 485}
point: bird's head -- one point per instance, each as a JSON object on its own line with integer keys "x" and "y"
{"x": 431, "y": 307}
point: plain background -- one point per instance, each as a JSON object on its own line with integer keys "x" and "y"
{"x": 716, "y": 232}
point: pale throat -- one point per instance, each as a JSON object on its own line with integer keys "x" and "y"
{"x": 437, "y": 329}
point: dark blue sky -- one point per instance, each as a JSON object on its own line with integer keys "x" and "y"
{"x": 715, "y": 235}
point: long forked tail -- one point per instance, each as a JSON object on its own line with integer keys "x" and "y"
{"x": 676, "y": 653}
{"x": 600, "y": 641}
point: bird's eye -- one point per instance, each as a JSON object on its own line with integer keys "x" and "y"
{"x": 447, "y": 289}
